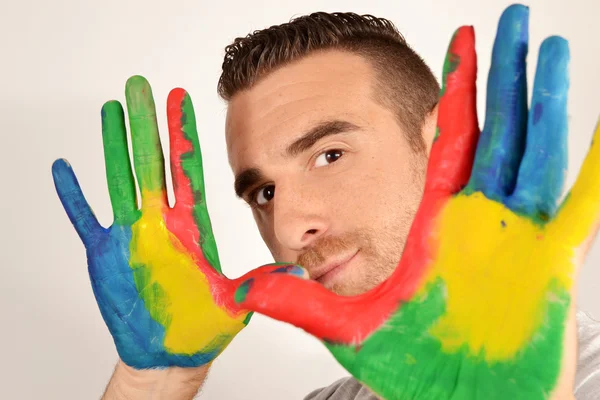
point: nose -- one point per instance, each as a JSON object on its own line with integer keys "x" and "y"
{"x": 299, "y": 218}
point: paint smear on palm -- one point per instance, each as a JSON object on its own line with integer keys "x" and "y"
{"x": 170, "y": 271}
{"x": 483, "y": 319}
{"x": 514, "y": 289}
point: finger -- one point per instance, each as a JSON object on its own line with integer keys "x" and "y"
{"x": 453, "y": 148}
{"x": 187, "y": 172}
{"x": 579, "y": 215}
{"x": 450, "y": 161}
{"x": 148, "y": 157}
{"x": 308, "y": 305}
{"x": 121, "y": 185}
{"x": 502, "y": 140}
{"x": 80, "y": 214}
{"x": 544, "y": 164}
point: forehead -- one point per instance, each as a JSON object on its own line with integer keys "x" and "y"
{"x": 262, "y": 121}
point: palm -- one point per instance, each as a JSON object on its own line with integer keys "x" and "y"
{"x": 479, "y": 303}
{"x": 460, "y": 335}
{"x": 151, "y": 291}
{"x": 155, "y": 272}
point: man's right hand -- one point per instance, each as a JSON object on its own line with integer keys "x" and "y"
{"x": 155, "y": 272}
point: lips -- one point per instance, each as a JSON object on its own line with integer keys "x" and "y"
{"x": 331, "y": 266}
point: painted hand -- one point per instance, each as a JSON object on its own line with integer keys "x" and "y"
{"x": 155, "y": 272}
{"x": 480, "y": 305}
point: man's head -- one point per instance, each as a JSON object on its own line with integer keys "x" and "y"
{"x": 330, "y": 118}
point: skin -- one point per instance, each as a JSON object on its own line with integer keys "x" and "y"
{"x": 480, "y": 304}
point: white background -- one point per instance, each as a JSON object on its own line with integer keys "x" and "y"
{"x": 60, "y": 60}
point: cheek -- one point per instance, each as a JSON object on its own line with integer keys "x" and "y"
{"x": 386, "y": 195}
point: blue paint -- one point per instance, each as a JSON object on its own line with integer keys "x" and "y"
{"x": 78, "y": 210}
{"x": 538, "y": 109}
{"x": 521, "y": 157}
{"x": 139, "y": 339}
{"x": 290, "y": 270}
{"x": 542, "y": 172}
{"x": 502, "y": 139}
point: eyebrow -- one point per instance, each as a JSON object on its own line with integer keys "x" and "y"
{"x": 318, "y": 132}
{"x": 248, "y": 178}
{"x": 251, "y": 176}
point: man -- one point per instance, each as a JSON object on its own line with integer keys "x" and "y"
{"x": 330, "y": 121}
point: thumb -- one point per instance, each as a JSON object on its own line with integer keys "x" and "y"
{"x": 306, "y": 304}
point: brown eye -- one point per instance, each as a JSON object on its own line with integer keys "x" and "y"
{"x": 328, "y": 157}
{"x": 264, "y": 195}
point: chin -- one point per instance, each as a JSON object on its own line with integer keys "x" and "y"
{"x": 354, "y": 286}
{"x": 344, "y": 291}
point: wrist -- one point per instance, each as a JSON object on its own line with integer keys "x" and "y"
{"x": 128, "y": 383}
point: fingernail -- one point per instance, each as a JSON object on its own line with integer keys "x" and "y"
{"x": 290, "y": 270}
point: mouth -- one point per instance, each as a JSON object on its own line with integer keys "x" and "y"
{"x": 325, "y": 273}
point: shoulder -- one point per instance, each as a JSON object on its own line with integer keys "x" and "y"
{"x": 587, "y": 378}
{"x": 343, "y": 389}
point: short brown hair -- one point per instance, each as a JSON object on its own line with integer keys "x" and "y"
{"x": 405, "y": 84}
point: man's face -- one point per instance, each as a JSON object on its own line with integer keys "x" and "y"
{"x": 332, "y": 181}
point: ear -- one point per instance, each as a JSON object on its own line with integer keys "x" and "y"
{"x": 430, "y": 126}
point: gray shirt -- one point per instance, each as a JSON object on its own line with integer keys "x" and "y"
{"x": 587, "y": 378}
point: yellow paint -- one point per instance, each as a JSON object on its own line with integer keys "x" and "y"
{"x": 579, "y": 216}
{"x": 192, "y": 320}
{"x": 496, "y": 296}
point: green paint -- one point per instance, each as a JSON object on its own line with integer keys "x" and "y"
{"x": 437, "y": 134}
{"x": 248, "y": 317}
{"x": 191, "y": 163}
{"x": 424, "y": 371}
{"x": 119, "y": 174}
{"x": 450, "y": 64}
{"x": 147, "y": 152}
{"x": 154, "y": 297}
{"x": 242, "y": 291}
